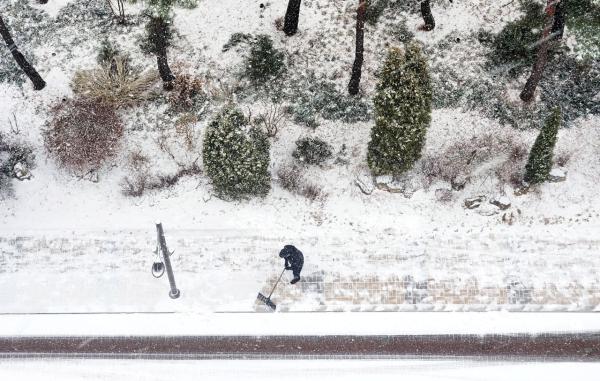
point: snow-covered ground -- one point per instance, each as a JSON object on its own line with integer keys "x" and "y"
{"x": 264, "y": 370}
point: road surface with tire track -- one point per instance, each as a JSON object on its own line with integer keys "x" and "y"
{"x": 543, "y": 347}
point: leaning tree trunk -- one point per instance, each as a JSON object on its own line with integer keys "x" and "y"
{"x": 359, "y": 55}
{"x": 38, "y": 82}
{"x": 427, "y": 15}
{"x": 542, "y": 54}
{"x": 558, "y": 27}
{"x": 164, "y": 70}
{"x": 290, "y": 26}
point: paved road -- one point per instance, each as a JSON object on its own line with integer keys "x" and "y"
{"x": 549, "y": 347}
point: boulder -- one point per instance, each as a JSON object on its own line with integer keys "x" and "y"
{"x": 474, "y": 202}
{"x": 443, "y": 195}
{"x": 521, "y": 190}
{"x": 21, "y": 172}
{"x": 502, "y": 202}
{"x": 382, "y": 182}
{"x": 407, "y": 185}
{"x": 487, "y": 209}
{"x": 557, "y": 175}
{"x": 365, "y": 183}
{"x": 94, "y": 177}
{"x": 458, "y": 183}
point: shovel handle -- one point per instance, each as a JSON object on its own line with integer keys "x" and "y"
{"x": 276, "y": 283}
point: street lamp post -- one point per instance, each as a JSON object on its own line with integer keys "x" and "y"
{"x": 174, "y": 292}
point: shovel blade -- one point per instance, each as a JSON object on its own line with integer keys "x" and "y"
{"x": 266, "y": 301}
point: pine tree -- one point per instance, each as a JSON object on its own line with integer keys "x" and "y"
{"x": 402, "y": 112}
{"x": 359, "y": 55}
{"x": 159, "y": 33}
{"x": 236, "y": 156}
{"x": 540, "y": 158}
{"x": 158, "y": 38}
{"x": 28, "y": 69}
{"x": 292, "y": 14}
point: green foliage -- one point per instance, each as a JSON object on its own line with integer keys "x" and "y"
{"x": 164, "y": 7}
{"x": 539, "y": 164}
{"x": 14, "y": 157}
{"x": 158, "y": 36}
{"x": 312, "y": 97}
{"x": 312, "y": 151}
{"x": 375, "y": 9}
{"x": 28, "y": 27}
{"x": 236, "y": 156}
{"x": 515, "y": 42}
{"x": 401, "y": 32}
{"x": 107, "y": 52}
{"x": 573, "y": 85}
{"x": 187, "y": 4}
{"x": 402, "y": 112}
{"x": 583, "y": 22}
{"x": 264, "y": 62}
{"x": 237, "y": 39}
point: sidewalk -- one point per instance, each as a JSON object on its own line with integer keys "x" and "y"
{"x": 297, "y": 324}
{"x": 224, "y": 271}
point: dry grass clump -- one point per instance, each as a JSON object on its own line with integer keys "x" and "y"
{"x": 271, "y": 121}
{"x": 292, "y": 179}
{"x": 142, "y": 179}
{"x": 83, "y": 134}
{"x": 501, "y": 155}
{"x": 115, "y": 83}
{"x": 187, "y": 94}
{"x": 185, "y": 128}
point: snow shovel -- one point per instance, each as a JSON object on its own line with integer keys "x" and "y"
{"x": 267, "y": 299}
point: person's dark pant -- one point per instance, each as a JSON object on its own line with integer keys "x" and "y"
{"x": 296, "y": 273}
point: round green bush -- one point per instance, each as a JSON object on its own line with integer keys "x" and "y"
{"x": 312, "y": 151}
{"x": 236, "y": 156}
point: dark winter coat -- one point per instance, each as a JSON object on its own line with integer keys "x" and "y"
{"x": 294, "y": 260}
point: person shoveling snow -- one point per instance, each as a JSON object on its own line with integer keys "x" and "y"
{"x": 294, "y": 260}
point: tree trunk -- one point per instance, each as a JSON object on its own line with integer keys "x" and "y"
{"x": 427, "y": 15}
{"x": 43, "y": 1}
{"x": 164, "y": 70}
{"x": 359, "y": 55}
{"x": 558, "y": 27}
{"x": 36, "y": 79}
{"x": 290, "y": 26}
{"x": 542, "y": 54}
{"x": 119, "y": 13}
